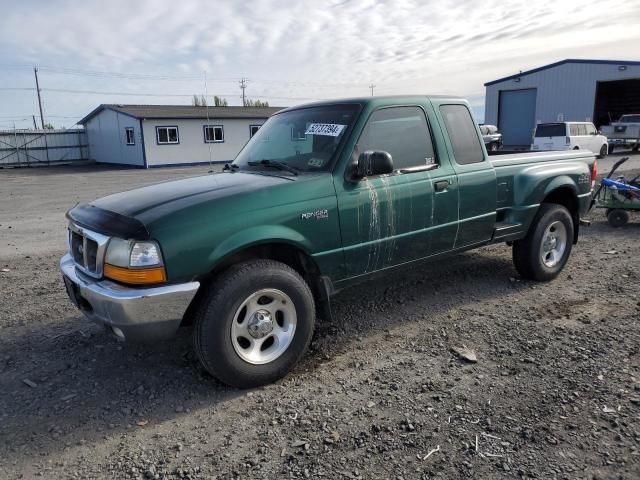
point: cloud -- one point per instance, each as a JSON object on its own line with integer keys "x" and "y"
{"x": 305, "y": 48}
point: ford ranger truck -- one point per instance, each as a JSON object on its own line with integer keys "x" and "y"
{"x": 323, "y": 196}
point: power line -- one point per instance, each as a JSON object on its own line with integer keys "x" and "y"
{"x": 192, "y": 77}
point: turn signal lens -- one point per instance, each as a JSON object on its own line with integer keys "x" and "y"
{"x": 140, "y": 276}
{"x": 594, "y": 173}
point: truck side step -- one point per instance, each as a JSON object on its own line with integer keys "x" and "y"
{"x": 504, "y": 229}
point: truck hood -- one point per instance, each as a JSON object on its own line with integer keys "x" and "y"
{"x": 132, "y": 212}
{"x": 178, "y": 194}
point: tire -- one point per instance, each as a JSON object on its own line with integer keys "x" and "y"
{"x": 236, "y": 315}
{"x": 611, "y": 149}
{"x": 635, "y": 148}
{"x": 603, "y": 151}
{"x": 494, "y": 147}
{"x": 617, "y": 217}
{"x": 538, "y": 256}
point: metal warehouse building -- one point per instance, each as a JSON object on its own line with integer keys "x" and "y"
{"x": 161, "y": 135}
{"x": 569, "y": 90}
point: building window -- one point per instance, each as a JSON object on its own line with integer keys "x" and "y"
{"x": 253, "y": 129}
{"x": 213, "y": 134}
{"x": 131, "y": 139}
{"x": 297, "y": 133}
{"x": 167, "y": 135}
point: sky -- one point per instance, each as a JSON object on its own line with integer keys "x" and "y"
{"x": 151, "y": 52}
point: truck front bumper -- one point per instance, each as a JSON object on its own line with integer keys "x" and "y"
{"x": 133, "y": 314}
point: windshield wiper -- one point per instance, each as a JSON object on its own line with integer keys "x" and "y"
{"x": 275, "y": 164}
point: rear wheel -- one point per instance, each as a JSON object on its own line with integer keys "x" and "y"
{"x": 603, "y": 151}
{"x": 494, "y": 147}
{"x": 544, "y": 252}
{"x": 255, "y": 323}
{"x": 617, "y": 217}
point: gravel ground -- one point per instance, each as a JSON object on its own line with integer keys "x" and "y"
{"x": 555, "y": 391}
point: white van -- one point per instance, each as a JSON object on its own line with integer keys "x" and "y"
{"x": 569, "y": 136}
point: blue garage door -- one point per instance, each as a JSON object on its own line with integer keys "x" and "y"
{"x": 516, "y": 116}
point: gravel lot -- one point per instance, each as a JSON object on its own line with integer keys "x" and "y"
{"x": 555, "y": 392}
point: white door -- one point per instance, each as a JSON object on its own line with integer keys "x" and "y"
{"x": 595, "y": 140}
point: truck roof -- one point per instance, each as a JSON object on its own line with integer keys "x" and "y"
{"x": 373, "y": 100}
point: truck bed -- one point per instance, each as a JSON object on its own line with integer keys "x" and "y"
{"x": 517, "y": 203}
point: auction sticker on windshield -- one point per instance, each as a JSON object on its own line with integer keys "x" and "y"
{"x": 329, "y": 129}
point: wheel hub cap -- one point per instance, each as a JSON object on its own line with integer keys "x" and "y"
{"x": 260, "y": 324}
{"x": 263, "y": 326}
{"x": 554, "y": 244}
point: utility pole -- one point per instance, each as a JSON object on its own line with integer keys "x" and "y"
{"x": 35, "y": 125}
{"x": 372, "y": 86}
{"x": 35, "y": 72}
{"x": 243, "y": 85}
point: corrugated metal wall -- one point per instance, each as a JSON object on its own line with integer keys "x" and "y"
{"x": 565, "y": 92}
{"x": 106, "y": 134}
{"x": 37, "y": 147}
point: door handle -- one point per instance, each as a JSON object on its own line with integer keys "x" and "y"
{"x": 441, "y": 185}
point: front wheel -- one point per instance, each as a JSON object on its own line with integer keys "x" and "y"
{"x": 255, "y": 323}
{"x": 544, "y": 252}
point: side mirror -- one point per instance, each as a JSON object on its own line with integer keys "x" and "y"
{"x": 372, "y": 163}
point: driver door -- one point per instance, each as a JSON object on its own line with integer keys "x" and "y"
{"x": 386, "y": 220}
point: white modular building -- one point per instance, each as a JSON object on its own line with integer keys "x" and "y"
{"x": 147, "y": 136}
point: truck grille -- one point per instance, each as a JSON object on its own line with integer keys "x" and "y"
{"x": 87, "y": 249}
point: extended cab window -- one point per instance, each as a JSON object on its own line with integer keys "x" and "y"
{"x": 462, "y": 133}
{"x": 401, "y": 131}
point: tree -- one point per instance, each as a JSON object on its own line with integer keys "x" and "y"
{"x": 255, "y": 103}
{"x": 199, "y": 101}
{"x": 48, "y": 126}
{"x": 220, "y": 102}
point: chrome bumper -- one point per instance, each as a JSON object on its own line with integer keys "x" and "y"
{"x": 137, "y": 314}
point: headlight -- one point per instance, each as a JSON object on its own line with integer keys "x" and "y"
{"x": 145, "y": 254}
{"x": 134, "y": 262}
{"x": 119, "y": 252}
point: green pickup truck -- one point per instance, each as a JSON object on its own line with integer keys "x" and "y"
{"x": 323, "y": 196}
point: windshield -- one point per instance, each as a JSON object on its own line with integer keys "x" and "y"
{"x": 551, "y": 130}
{"x": 305, "y": 139}
{"x": 630, "y": 118}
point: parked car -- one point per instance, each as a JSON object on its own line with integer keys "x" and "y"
{"x": 492, "y": 137}
{"x": 624, "y": 133}
{"x": 249, "y": 255}
{"x": 569, "y": 136}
